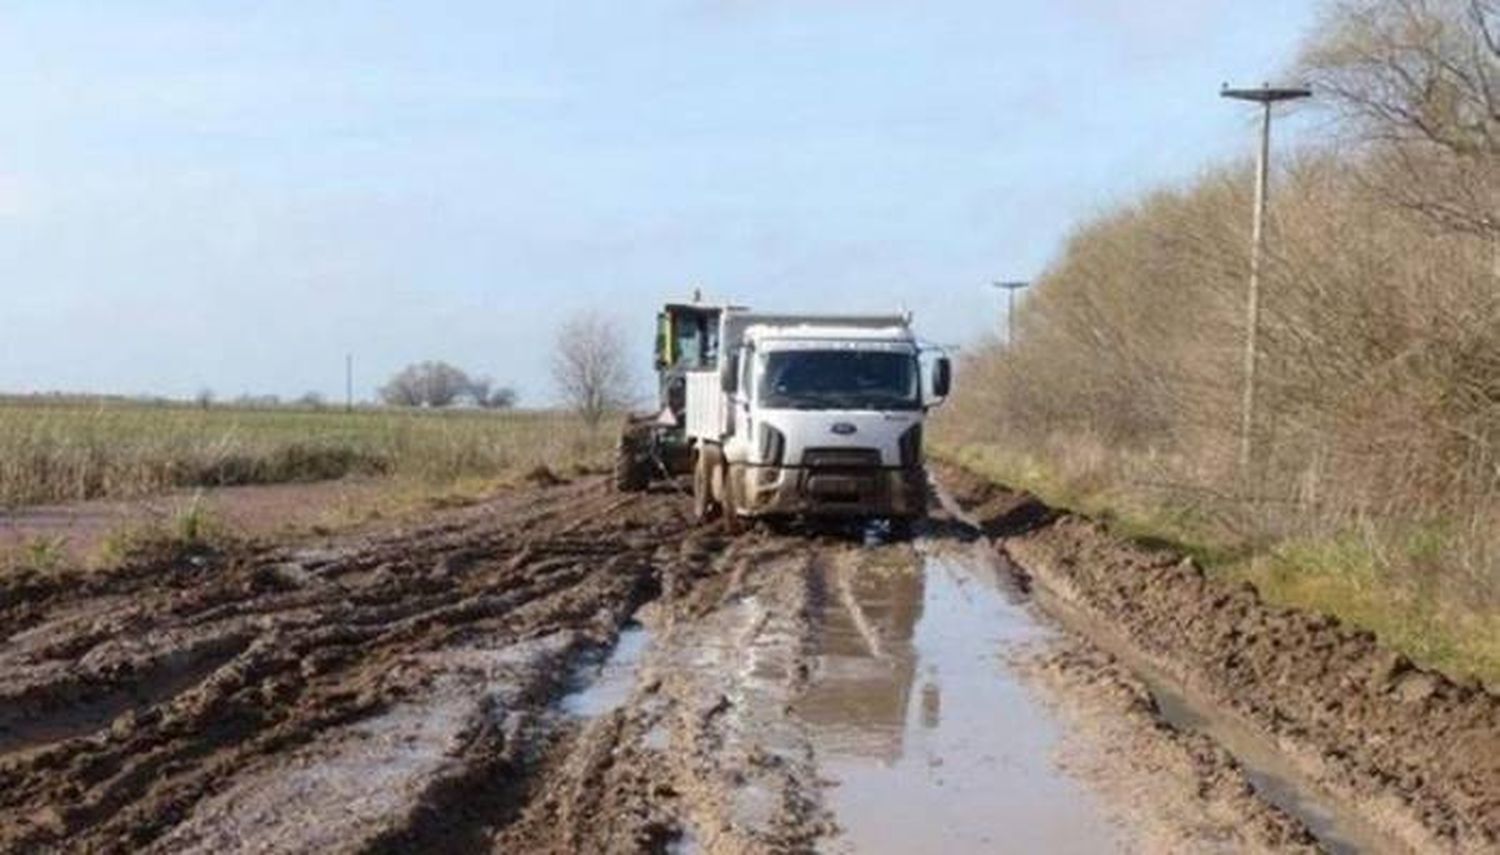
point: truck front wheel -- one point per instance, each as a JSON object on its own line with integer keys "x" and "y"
{"x": 704, "y": 505}
{"x": 733, "y": 522}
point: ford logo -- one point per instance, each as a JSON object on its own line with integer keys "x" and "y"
{"x": 843, "y": 428}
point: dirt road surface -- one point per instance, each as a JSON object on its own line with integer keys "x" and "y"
{"x": 566, "y": 669}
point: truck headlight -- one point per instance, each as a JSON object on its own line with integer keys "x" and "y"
{"x": 772, "y": 445}
{"x": 911, "y": 447}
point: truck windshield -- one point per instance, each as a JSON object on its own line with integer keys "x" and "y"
{"x": 840, "y": 380}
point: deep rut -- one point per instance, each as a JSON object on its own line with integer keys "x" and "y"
{"x": 464, "y": 686}
{"x": 170, "y": 708}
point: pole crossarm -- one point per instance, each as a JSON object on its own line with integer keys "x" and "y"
{"x": 1266, "y": 94}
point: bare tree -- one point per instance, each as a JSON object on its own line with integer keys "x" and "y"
{"x": 401, "y": 391}
{"x": 252, "y": 401}
{"x": 1419, "y": 82}
{"x": 590, "y": 366}
{"x": 478, "y": 390}
{"x": 204, "y": 398}
{"x": 486, "y": 394}
{"x": 502, "y": 398}
{"x": 438, "y": 384}
{"x": 431, "y": 384}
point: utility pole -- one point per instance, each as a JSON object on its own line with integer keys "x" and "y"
{"x": 1266, "y": 95}
{"x": 1010, "y": 289}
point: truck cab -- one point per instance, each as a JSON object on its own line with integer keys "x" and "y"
{"x": 813, "y": 416}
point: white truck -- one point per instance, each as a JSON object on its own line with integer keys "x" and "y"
{"x": 812, "y": 416}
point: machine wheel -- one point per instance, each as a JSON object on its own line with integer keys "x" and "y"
{"x": 704, "y": 506}
{"x": 632, "y": 462}
{"x": 902, "y": 528}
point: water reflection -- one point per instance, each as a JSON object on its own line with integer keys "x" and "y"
{"x": 867, "y": 663}
{"x": 932, "y": 743}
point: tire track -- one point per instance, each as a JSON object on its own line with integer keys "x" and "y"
{"x": 322, "y": 653}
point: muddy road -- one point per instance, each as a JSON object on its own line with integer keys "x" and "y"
{"x": 566, "y": 669}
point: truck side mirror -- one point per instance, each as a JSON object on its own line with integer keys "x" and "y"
{"x": 729, "y": 373}
{"x": 942, "y": 377}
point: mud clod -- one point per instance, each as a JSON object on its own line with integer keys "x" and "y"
{"x": 542, "y": 475}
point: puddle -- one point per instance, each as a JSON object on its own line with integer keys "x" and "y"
{"x": 1270, "y": 775}
{"x": 932, "y": 744}
{"x": 605, "y": 685}
{"x": 1337, "y": 829}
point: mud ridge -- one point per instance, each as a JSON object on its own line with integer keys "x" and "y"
{"x": 1199, "y": 792}
{"x": 1415, "y": 754}
{"x": 701, "y": 753}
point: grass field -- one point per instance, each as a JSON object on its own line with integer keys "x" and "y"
{"x": 61, "y": 451}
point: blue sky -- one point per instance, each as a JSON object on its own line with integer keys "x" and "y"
{"x": 235, "y": 194}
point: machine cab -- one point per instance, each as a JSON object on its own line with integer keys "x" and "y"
{"x": 687, "y": 339}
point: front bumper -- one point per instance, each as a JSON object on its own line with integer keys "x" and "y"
{"x": 831, "y": 492}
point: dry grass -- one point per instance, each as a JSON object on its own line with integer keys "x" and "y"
{"x": 193, "y": 528}
{"x": 61, "y": 452}
{"x": 1374, "y": 490}
{"x": 1379, "y": 401}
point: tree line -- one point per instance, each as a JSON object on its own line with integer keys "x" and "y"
{"x": 434, "y": 383}
{"x": 590, "y": 368}
{"x": 1380, "y": 324}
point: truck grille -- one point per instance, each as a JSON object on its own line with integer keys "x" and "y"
{"x": 841, "y": 458}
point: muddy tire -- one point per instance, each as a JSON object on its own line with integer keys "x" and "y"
{"x": 704, "y": 506}
{"x": 632, "y": 462}
{"x": 733, "y": 522}
{"x": 902, "y": 528}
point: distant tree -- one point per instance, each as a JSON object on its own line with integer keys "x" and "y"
{"x": 479, "y": 390}
{"x": 502, "y": 398}
{"x": 402, "y": 390}
{"x": 429, "y": 384}
{"x": 312, "y": 400}
{"x": 484, "y": 393}
{"x": 590, "y": 366}
{"x": 204, "y": 399}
